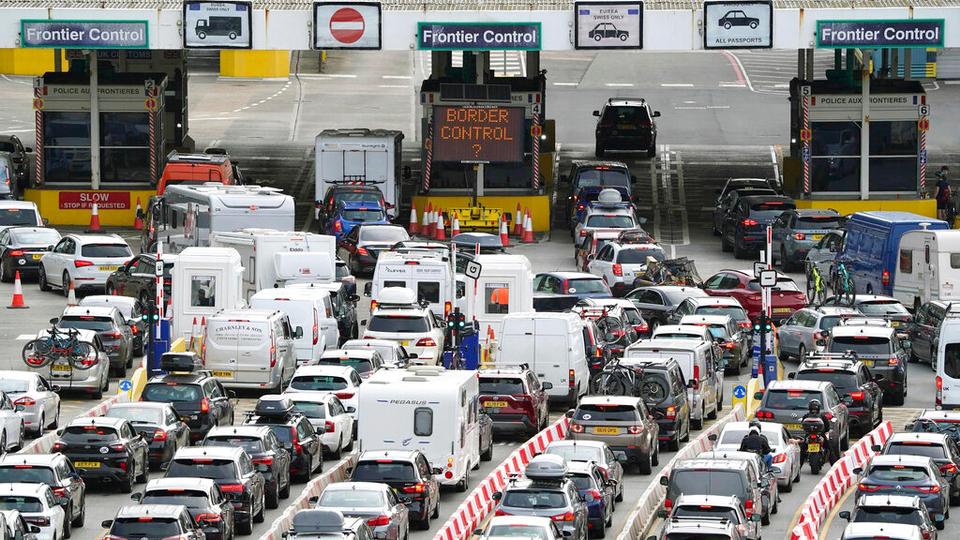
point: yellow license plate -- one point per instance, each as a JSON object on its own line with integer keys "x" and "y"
{"x": 813, "y": 447}
{"x": 606, "y": 430}
{"x": 110, "y": 268}
{"x": 87, "y": 464}
{"x": 496, "y": 404}
{"x": 404, "y": 343}
{"x": 868, "y": 363}
{"x": 894, "y": 324}
{"x": 817, "y": 236}
{"x": 781, "y": 310}
{"x": 793, "y": 427}
{"x": 37, "y": 256}
{"x": 60, "y": 367}
{"x": 227, "y": 374}
{"x": 625, "y": 126}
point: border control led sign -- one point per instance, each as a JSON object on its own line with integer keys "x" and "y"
{"x": 893, "y": 34}
{"x": 217, "y": 25}
{"x": 608, "y": 25}
{"x": 467, "y": 36}
{"x": 70, "y": 34}
{"x": 738, "y": 25}
{"x": 347, "y": 25}
{"x": 478, "y": 133}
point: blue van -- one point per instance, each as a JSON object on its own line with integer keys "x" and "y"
{"x": 870, "y": 247}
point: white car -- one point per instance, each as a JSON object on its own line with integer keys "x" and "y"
{"x": 341, "y": 381}
{"x": 620, "y": 264}
{"x": 327, "y": 412}
{"x": 366, "y": 362}
{"x": 36, "y": 398}
{"x": 541, "y": 528}
{"x": 39, "y": 506}
{"x": 606, "y": 215}
{"x": 786, "y": 451}
{"x": 399, "y": 318}
{"x": 12, "y": 427}
{"x": 393, "y": 354}
{"x": 17, "y": 527}
{"x": 85, "y": 259}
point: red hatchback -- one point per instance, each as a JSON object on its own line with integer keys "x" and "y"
{"x": 515, "y": 398}
{"x": 740, "y": 284}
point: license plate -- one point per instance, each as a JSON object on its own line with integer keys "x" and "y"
{"x": 793, "y": 427}
{"x": 226, "y": 374}
{"x": 781, "y": 310}
{"x": 37, "y": 256}
{"x": 60, "y": 367}
{"x": 109, "y": 268}
{"x": 895, "y": 324}
{"x": 87, "y": 464}
{"x": 188, "y": 417}
{"x": 404, "y": 343}
{"x": 817, "y": 236}
{"x": 868, "y": 363}
{"x": 813, "y": 447}
{"x": 606, "y": 430}
{"x": 496, "y": 404}
{"x": 625, "y": 126}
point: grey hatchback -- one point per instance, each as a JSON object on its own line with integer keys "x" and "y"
{"x": 546, "y": 491}
{"x": 798, "y": 230}
{"x": 622, "y": 422}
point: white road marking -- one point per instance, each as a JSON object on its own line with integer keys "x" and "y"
{"x": 732, "y": 85}
{"x": 690, "y": 108}
{"x": 677, "y": 85}
{"x": 614, "y": 84}
{"x": 575, "y": 84}
{"x": 718, "y": 106}
{"x": 341, "y": 75}
{"x": 392, "y": 85}
{"x": 689, "y": 102}
{"x": 214, "y": 118}
{"x": 404, "y": 77}
{"x": 951, "y": 82}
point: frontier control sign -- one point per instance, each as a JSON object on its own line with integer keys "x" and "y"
{"x": 84, "y": 34}
{"x": 465, "y": 36}
{"x": 916, "y": 33}
{"x": 478, "y": 133}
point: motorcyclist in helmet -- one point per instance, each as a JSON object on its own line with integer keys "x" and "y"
{"x": 814, "y": 411}
{"x": 755, "y": 441}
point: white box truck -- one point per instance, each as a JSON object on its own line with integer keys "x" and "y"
{"x": 360, "y": 156}
{"x": 205, "y": 280}
{"x": 274, "y": 258}
{"x": 427, "y": 408}
{"x": 505, "y": 286}
{"x": 928, "y": 267}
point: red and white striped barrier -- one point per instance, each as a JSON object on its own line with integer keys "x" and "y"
{"x": 479, "y": 503}
{"x": 837, "y": 482}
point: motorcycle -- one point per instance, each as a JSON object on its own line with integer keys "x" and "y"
{"x": 817, "y": 451}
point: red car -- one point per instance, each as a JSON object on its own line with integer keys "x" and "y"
{"x": 740, "y": 284}
{"x": 515, "y": 398}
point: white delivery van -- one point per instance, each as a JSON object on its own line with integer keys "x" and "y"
{"x": 250, "y": 348}
{"x": 370, "y": 157}
{"x": 205, "y": 280}
{"x": 505, "y": 286}
{"x": 700, "y": 366}
{"x": 274, "y": 258}
{"x": 311, "y": 316}
{"x": 928, "y": 267}
{"x": 428, "y": 274}
{"x": 948, "y": 362}
{"x": 552, "y": 344}
{"x": 426, "y": 408}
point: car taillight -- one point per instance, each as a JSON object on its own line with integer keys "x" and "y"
{"x": 668, "y": 503}
{"x": 362, "y": 251}
{"x": 134, "y": 330}
{"x": 671, "y": 412}
{"x": 15, "y": 253}
{"x": 204, "y": 405}
{"x": 566, "y": 516}
{"x": 744, "y": 324}
{"x": 618, "y": 269}
{"x": 869, "y": 488}
{"x": 80, "y": 263}
{"x": 113, "y": 335}
{"x": 576, "y": 428}
{"x": 779, "y": 458}
{"x": 232, "y": 488}
{"x": 344, "y": 395}
{"x": 267, "y": 460}
{"x": 60, "y": 491}
{"x": 34, "y": 360}
{"x": 749, "y": 222}
{"x": 329, "y": 427}
{"x": 159, "y": 435}
{"x": 635, "y": 430}
{"x": 764, "y": 415}
{"x": 89, "y": 362}
{"x": 501, "y": 513}
{"x": 37, "y": 520}
{"x": 447, "y": 308}
{"x": 643, "y": 328}
{"x": 583, "y": 233}
{"x": 58, "y": 446}
{"x": 295, "y": 439}
{"x": 26, "y": 402}
{"x": 856, "y": 396}
{"x": 208, "y": 518}
{"x": 729, "y": 345}
{"x": 594, "y": 494}
{"x": 799, "y": 236}
{"x": 379, "y": 521}
{"x": 948, "y": 468}
{"x": 118, "y": 447}
{"x": 939, "y": 398}
{"x": 696, "y": 378}
{"x": 885, "y": 278}
{"x": 828, "y": 415}
{"x": 273, "y": 354}
{"x": 416, "y": 488}
{"x": 893, "y": 361}
{"x": 927, "y": 489}
{"x": 337, "y": 226}
{"x": 571, "y": 378}
{"x": 748, "y": 507}
{"x": 426, "y": 342}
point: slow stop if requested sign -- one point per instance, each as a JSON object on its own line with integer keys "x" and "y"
{"x": 346, "y": 25}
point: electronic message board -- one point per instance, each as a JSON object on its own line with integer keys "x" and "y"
{"x": 475, "y": 133}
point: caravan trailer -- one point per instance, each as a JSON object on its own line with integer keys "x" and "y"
{"x": 428, "y": 408}
{"x": 205, "y": 281}
{"x": 928, "y": 267}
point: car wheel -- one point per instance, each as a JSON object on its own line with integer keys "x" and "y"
{"x": 67, "y": 530}
{"x": 784, "y": 261}
{"x": 753, "y": 25}
{"x": 786, "y": 488}
{"x": 284, "y": 492}
{"x": 245, "y": 527}
{"x": 233, "y": 35}
{"x": 697, "y": 423}
{"x": 599, "y": 530}
{"x": 646, "y": 463}
{"x": 598, "y": 150}
{"x": 56, "y": 419}
{"x": 5, "y": 271}
{"x": 144, "y": 470}
{"x": 801, "y": 353}
{"x": 487, "y": 454}
{"x": 273, "y": 498}
{"x": 436, "y": 510}
{"x": 464, "y": 482}
{"x": 127, "y": 486}
{"x": 652, "y": 151}
{"x": 42, "y": 279}
{"x": 20, "y": 438}
{"x": 655, "y": 460}
{"x": 597, "y": 37}
{"x": 78, "y": 521}
{"x": 258, "y": 518}
{"x": 725, "y": 242}
{"x": 203, "y": 35}
{"x": 739, "y": 252}
{"x": 65, "y": 284}
{"x": 339, "y": 451}
{"x": 41, "y": 426}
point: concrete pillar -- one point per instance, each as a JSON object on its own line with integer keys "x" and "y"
{"x": 894, "y": 62}
{"x": 483, "y": 65}
{"x": 837, "y": 59}
{"x": 533, "y": 64}
{"x": 865, "y": 128}
{"x": 28, "y": 61}
{"x": 801, "y": 64}
{"x": 250, "y": 64}
{"x": 94, "y": 68}
{"x": 440, "y": 62}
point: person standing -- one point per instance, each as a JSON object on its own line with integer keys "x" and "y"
{"x": 943, "y": 193}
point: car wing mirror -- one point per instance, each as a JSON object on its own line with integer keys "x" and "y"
{"x": 691, "y": 383}
{"x": 755, "y": 517}
{"x": 878, "y": 377}
{"x": 314, "y": 500}
{"x": 136, "y": 496}
{"x": 368, "y": 288}
{"x": 939, "y": 518}
{"x": 876, "y": 448}
{"x": 164, "y": 466}
{"x": 596, "y": 113}
{"x": 712, "y": 437}
{"x": 298, "y": 333}
{"x": 33, "y": 528}
{"x": 107, "y": 523}
{"x": 662, "y": 513}
{"x": 20, "y": 408}
{"x": 758, "y": 395}
{"x": 497, "y": 495}
{"x": 858, "y": 470}
{"x": 845, "y": 514}
{"x": 478, "y": 532}
{"x": 664, "y": 481}
{"x": 792, "y": 375}
{"x": 351, "y": 409}
{"x": 656, "y": 114}
{"x": 437, "y": 470}
{"x": 55, "y": 320}
{"x": 569, "y": 413}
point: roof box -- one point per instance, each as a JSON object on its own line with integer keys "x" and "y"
{"x": 397, "y": 296}
{"x": 274, "y": 405}
{"x": 318, "y": 522}
{"x": 609, "y": 196}
{"x": 546, "y": 467}
{"x": 180, "y": 361}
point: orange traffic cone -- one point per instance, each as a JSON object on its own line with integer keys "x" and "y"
{"x": 193, "y": 334}
{"x": 414, "y": 226}
{"x": 527, "y": 230}
{"x": 455, "y": 225}
{"x": 425, "y": 221}
{"x": 428, "y": 221}
{"x": 441, "y": 234}
{"x": 518, "y": 222}
{"x": 94, "y": 220}
{"x": 138, "y": 221}
{"x": 504, "y": 235}
{"x": 71, "y": 295}
{"x": 17, "y": 302}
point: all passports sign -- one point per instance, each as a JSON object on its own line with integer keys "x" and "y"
{"x": 915, "y": 33}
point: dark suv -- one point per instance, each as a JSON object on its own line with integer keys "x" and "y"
{"x": 409, "y": 473}
{"x": 293, "y": 430}
{"x": 266, "y": 453}
{"x": 854, "y": 383}
{"x": 105, "y": 450}
{"x": 665, "y": 393}
{"x": 744, "y": 227}
{"x": 199, "y": 399}
{"x": 626, "y": 124}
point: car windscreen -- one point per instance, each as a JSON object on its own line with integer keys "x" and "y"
{"x": 86, "y": 322}
{"x": 718, "y": 331}
{"x": 36, "y": 236}
{"x": 915, "y": 448}
{"x": 190, "y": 499}
{"x": 318, "y": 383}
{"x": 137, "y": 415}
{"x": 677, "y": 335}
{"x": 106, "y": 250}
{"x": 351, "y": 498}
{"x": 638, "y": 255}
{"x": 22, "y": 503}
{"x": 696, "y": 536}
{"x": 214, "y": 469}
{"x": 626, "y": 117}
{"x": 708, "y": 482}
{"x": 358, "y": 195}
{"x": 587, "y": 286}
{"x": 611, "y": 221}
{"x": 887, "y": 514}
{"x": 582, "y": 481}
{"x": 89, "y": 434}
{"x": 534, "y": 499}
{"x": 145, "y": 528}
{"x": 384, "y": 470}
{"x": 251, "y": 445}
{"x": 844, "y": 381}
{"x": 383, "y": 234}
{"x": 793, "y": 400}
{"x": 361, "y": 365}
{"x": 362, "y": 215}
{"x": 170, "y": 392}
{"x": 706, "y": 511}
{"x": 532, "y": 532}
{"x": 576, "y": 453}
{"x": 602, "y": 177}
{"x": 18, "y": 216}
{"x": 398, "y": 324}
{"x": 501, "y": 386}
{"x": 29, "y": 474}
{"x": 311, "y": 409}
{"x": 606, "y": 413}
{"x": 882, "y": 308}
{"x": 732, "y": 436}
{"x": 897, "y": 473}
{"x": 783, "y": 284}
{"x": 735, "y": 312}
{"x": 860, "y": 344}
{"x": 806, "y": 223}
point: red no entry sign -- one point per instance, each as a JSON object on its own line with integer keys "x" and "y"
{"x": 347, "y": 25}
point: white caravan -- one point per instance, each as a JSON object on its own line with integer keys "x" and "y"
{"x": 205, "y": 281}
{"x": 928, "y": 267}
{"x": 360, "y": 156}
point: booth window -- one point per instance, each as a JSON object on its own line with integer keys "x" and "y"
{"x": 498, "y": 298}
{"x": 203, "y": 291}
{"x": 66, "y": 146}
{"x": 423, "y": 422}
{"x": 835, "y": 156}
{"x": 906, "y": 261}
{"x": 124, "y": 147}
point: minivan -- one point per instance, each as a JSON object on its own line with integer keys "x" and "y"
{"x": 311, "y": 315}
{"x": 250, "y": 348}
{"x": 714, "y": 477}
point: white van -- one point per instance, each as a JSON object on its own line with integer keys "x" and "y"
{"x": 928, "y": 267}
{"x": 553, "y": 345}
{"x": 204, "y": 281}
{"x": 426, "y": 273}
{"x": 948, "y": 362}
{"x": 700, "y": 367}
{"x": 250, "y": 348}
{"x": 311, "y": 316}
{"x": 427, "y": 408}
{"x": 20, "y": 214}
{"x": 505, "y": 286}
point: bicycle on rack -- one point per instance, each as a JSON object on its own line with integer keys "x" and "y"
{"x": 615, "y": 380}
{"x": 58, "y": 343}
{"x": 842, "y": 284}
{"x": 816, "y": 287}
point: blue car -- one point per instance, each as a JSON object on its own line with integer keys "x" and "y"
{"x": 598, "y": 493}
{"x": 906, "y": 475}
{"x": 352, "y": 213}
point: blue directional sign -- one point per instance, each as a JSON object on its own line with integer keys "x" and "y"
{"x": 126, "y": 385}
{"x": 739, "y": 391}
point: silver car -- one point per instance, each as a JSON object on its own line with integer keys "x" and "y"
{"x": 807, "y": 329}
{"x": 796, "y": 231}
{"x": 95, "y": 380}
{"x": 538, "y": 528}
{"x": 824, "y": 252}
{"x": 394, "y": 355}
{"x": 378, "y": 504}
{"x": 595, "y": 451}
{"x": 38, "y": 399}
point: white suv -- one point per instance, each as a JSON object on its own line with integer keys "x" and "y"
{"x": 620, "y": 264}
{"x": 399, "y": 318}
{"x": 606, "y": 215}
{"x": 87, "y": 260}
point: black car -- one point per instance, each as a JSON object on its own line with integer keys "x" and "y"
{"x": 266, "y": 452}
{"x": 626, "y": 124}
{"x": 665, "y": 393}
{"x": 656, "y": 303}
{"x": 199, "y": 399}
{"x": 733, "y": 184}
{"x": 160, "y": 426}
{"x": 233, "y": 471}
{"x": 125, "y": 460}
{"x": 152, "y": 521}
{"x": 587, "y": 178}
{"x": 729, "y": 200}
{"x": 408, "y": 472}
{"x": 361, "y": 247}
{"x": 744, "y": 226}
{"x": 925, "y": 331}
{"x": 21, "y": 249}
{"x": 854, "y": 384}
{"x": 11, "y": 145}
{"x": 348, "y": 192}
{"x": 293, "y": 430}
{"x": 207, "y": 505}
{"x": 138, "y": 278}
